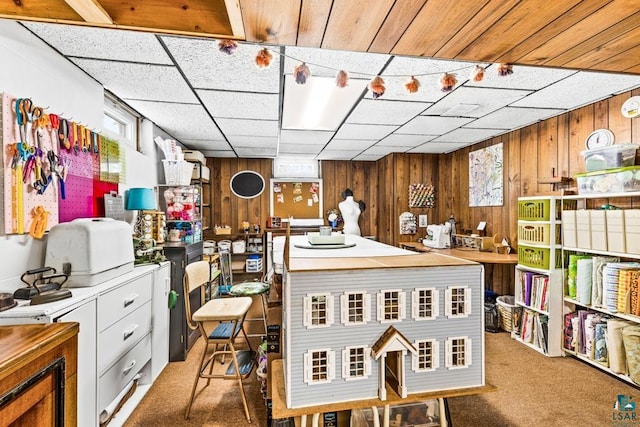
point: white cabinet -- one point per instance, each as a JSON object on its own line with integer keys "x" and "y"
{"x": 160, "y": 320}
{"x": 538, "y": 287}
{"x": 613, "y": 233}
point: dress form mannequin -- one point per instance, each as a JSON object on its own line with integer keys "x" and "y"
{"x": 350, "y": 210}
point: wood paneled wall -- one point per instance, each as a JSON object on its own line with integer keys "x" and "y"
{"x": 541, "y": 150}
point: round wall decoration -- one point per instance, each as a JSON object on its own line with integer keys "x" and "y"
{"x": 631, "y": 107}
{"x": 247, "y": 184}
{"x": 599, "y": 138}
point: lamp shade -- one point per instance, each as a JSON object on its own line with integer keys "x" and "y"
{"x": 141, "y": 199}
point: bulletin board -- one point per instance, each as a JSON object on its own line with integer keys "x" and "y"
{"x": 296, "y": 198}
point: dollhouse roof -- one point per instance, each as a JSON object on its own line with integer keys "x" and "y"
{"x": 391, "y": 340}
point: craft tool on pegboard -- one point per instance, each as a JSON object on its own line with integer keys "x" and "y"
{"x": 421, "y": 196}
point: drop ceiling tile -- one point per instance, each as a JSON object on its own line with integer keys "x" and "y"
{"x": 513, "y": 118}
{"x": 102, "y": 43}
{"x": 327, "y": 63}
{"x": 305, "y": 137}
{"x": 353, "y": 131}
{"x": 384, "y": 150}
{"x": 523, "y": 77}
{"x": 219, "y": 153}
{"x": 205, "y": 145}
{"x": 486, "y": 100}
{"x": 379, "y": 111}
{"x": 337, "y": 154}
{"x": 194, "y": 122}
{"x": 139, "y": 81}
{"x": 403, "y": 140}
{"x": 253, "y": 141}
{"x": 248, "y": 127}
{"x": 351, "y": 144}
{"x": 254, "y": 152}
{"x": 580, "y": 89}
{"x": 208, "y": 68}
{"x": 438, "y": 147}
{"x": 432, "y": 125}
{"x": 240, "y": 105}
{"x": 307, "y": 149}
{"x": 368, "y": 157}
{"x": 468, "y": 135}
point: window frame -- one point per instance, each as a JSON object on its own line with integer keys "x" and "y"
{"x": 415, "y": 304}
{"x": 347, "y": 363}
{"x": 121, "y": 113}
{"x": 449, "y": 352}
{"x": 382, "y": 304}
{"x": 308, "y": 367}
{"x": 435, "y": 356}
{"x": 345, "y": 309}
{"x": 308, "y": 315}
{"x": 449, "y": 303}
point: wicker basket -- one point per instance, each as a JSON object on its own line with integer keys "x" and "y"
{"x": 506, "y": 306}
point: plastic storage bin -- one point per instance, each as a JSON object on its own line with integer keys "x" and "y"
{"x": 615, "y": 156}
{"x": 506, "y": 305}
{"x": 254, "y": 264}
{"x": 536, "y": 233}
{"x": 619, "y": 180}
{"x": 534, "y": 257}
{"x": 177, "y": 172}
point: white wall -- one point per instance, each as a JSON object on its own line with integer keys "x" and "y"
{"x": 32, "y": 69}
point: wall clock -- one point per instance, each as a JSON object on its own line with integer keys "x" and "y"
{"x": 631, "y": 107}
{"x": 599, "y": 138}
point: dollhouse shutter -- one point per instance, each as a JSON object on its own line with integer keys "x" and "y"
{"x": 436, "y": 303}
{"x": 468, "y": 353}
{"x": 367, "y": 307}
{"x": 367, "y": 361}
{"x": 330, "y": 310}
{"x": 344, "y": 309}
{"x": 380, "y": 306}
{"x": 448, "y": 354}
{"x": 414, "y": 357}
{"x": 307, "y": 368}
{"x": 447, "y": 304}
{"x": 331, "y": 365}
{"x": 307, "y": 312}
{"x": 402, "y": 305}
{"x": 467, "y": 301}
{"x": 415, "y": 307}
{"x": 345, "y": 363}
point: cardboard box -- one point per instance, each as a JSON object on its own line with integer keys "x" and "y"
{"x": 632, "y": 230}
{"x": 598, "y": 230}
{"x": 569, "y": 236}
{"x": 616, "y": 241}
{"x": 583, "y": 228}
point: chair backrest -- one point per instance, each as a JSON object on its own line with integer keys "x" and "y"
{"x": 226, "y": 273}
{"x": 196, "y": 275}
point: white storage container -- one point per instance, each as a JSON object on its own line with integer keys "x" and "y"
{"x": 194, "y": 156}
{"x": 598, "y": 230}
{"x": 616, "y": 241}
{"x": 632, "y": 230}
{"x": 583, "y": 229}
{"x": 90, "y": 250}
{"x": 569, "y": 235}
{"x": 201, "y": 172}
{"x": 238, "y": 246}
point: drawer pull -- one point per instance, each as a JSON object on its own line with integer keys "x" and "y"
{"x": 128, "y": 369}
{"x": 130, "y": 301}
{"x": 130, "y": 332}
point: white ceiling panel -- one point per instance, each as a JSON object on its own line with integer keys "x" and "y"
{"x": 437, "y": 147}
{"x": 513, "y": 118}
{"x": 305, "y": 137}
{"x": 139, "y": 81}
{"x": 350, "y": 144}
{"x": 433, "y": 125}
{"x": 384, "y": 150}
{"x": 353, "y": 131}
{"x": 240, "y": 105}
{"x": 403, "y": 140}
{"x": 194, "y": 123}
{"x": 383, "y": 112}
{"x": 482, "y": 100}
{"x": 248, "y": 127}
{"x": 253, "y": 141}
{"x": 337, "y": 154}
{"x": 356, "y": 64}
{"x": 468, "y": 135}
{"x": 102, "y": 43}
{"x": 368, "y": 157}
{"x": 579, "y": 89}
{"x": 208, "y": 68}
{"x": 255, "y": 152}
{"x": 218, "y": 153}
{"x": 523, "y": 77}
{"x": 209, "y": 145}
{"x": 307, "y": 149}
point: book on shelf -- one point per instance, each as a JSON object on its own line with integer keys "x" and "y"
{"x": 533, "y": 290}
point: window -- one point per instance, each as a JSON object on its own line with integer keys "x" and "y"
{"x": 458, "y": 301}
{"x": 458, "y": 352}
{"x": 355, "y": 308}
{"x": 424, "y": 304}
{"x": 120, "y": 122}
{"x": 319, "y": 366}
{"x": 356, "y": 363}
{"x": 391, "y": 305}
{"x": 318, "y": 310}
{"x": 427, "y": 358}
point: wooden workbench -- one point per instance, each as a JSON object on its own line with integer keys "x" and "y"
{"x": 280, "y": 410}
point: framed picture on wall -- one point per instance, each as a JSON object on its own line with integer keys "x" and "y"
{"x": 297, "y": 198}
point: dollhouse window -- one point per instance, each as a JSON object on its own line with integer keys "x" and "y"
{"x": 424, "y": 304}
{"x": 355, "y": 308}
{"x": 319, "y": 366}
{"x": 356, "y": 363}
{"x": 458, "y": 352}
{"x": 458, "y": 301}
{"x": 318, "y": 310}
{"x": 427, "y": 358}
{"x": 391, "y": 305}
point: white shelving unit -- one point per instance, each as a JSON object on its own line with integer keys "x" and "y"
{"x": 539, "y": 260}
{"x": 592, "y": 202}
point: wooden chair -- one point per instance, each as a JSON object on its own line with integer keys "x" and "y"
{"x": 230, "y": 314}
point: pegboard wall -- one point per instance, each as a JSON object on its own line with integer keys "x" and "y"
{"x": 42, "y": 154}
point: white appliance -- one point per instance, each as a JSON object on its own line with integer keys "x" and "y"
{"x": 438, "y": 236}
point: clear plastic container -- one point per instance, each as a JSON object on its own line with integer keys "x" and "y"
{"x": 614, "y": 156}
{"x": 621, "y": 180}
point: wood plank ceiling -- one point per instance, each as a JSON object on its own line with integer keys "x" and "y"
{"x": 602, "y": 35}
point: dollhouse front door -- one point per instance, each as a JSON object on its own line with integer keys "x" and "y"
{"x": 393, "y": 371}
{"x": 390, "y": 351}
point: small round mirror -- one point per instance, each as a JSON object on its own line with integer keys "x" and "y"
{"x": 247, "y": 184}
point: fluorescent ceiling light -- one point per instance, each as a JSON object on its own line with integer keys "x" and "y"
{"x": 319, "y": 104}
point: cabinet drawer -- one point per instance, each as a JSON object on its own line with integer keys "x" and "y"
{"x": 120, "y": 374}
{"x": 117, "y": 339}
{"x": 118, "y": 303}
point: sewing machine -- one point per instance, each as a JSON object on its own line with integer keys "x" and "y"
{"x": 438, "y": 236}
